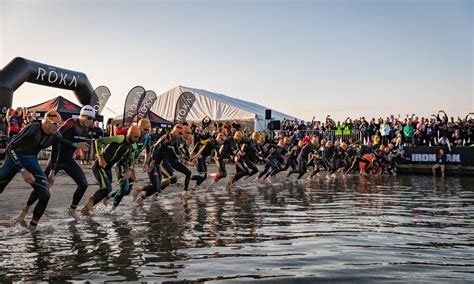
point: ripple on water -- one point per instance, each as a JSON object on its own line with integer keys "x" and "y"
{"x": 348, "y": 229}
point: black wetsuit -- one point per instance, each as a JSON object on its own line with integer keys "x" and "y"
{"x": 303, "y": 160}
{"x": 251, "y": 156}
{"x": 171, "y": 162}
{"x": 329, "y": 158}
{"x": 224, "y": 152}
{"x": 245, "y": 159}
{"x": 317, "y": 160}
{"x": 290, "y": 161}
{"x": 72, "y": 133}
{"x": 22, "y": 154}
{"x": 273, "y": 160}
{"x": 154, "y": 165}
{"x": 205, "y": 148}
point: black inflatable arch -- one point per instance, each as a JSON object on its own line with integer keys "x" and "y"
{"x": 21, "y": 70}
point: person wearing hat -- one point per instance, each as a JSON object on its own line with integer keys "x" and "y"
{"x": 22, "y": 157}
{"x": 74, "y": 135}
{"x": 120, "y": 150}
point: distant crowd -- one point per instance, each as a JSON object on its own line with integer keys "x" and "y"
{"x": 411, "y": 131}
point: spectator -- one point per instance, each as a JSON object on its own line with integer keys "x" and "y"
{"x": 408, "y": 132}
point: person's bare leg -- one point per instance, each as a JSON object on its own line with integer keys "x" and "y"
{"x": 23, "y": 213}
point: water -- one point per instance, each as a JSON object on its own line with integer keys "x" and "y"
{"x": 405, "y": 228}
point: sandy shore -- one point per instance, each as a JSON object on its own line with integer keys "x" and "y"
{"x": 16, "y": 194}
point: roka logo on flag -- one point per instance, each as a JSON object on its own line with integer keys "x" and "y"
{"x": 103, "y": 94}
{"x": 133, "y": 101}
{"x": 148, "y": 100}
{"x": 183, "y": 106}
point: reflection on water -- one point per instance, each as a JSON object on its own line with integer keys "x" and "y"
{"x": 365, "y": 228}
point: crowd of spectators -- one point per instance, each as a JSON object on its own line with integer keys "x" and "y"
{"x": 410, "y": 131}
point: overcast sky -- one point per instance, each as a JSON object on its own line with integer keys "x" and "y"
{"x": 344, "y": 58}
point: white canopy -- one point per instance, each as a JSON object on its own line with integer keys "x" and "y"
{"x": 216, "y": 106}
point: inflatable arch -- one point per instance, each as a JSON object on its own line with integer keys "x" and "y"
{"x": 21, "y": 70}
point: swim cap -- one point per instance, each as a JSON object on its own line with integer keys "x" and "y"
{"x": 238, "y": 135}
{"x": 53, "y": 115}
{"x": 220, "y": 136}
{"x": 87, "y": 110}
{"x": 255, "y": 135}
{"x": 133, "y": 131}
{"x": 144, "y": 123}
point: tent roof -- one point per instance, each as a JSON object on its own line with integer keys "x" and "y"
{"x": 214, "y": 105}
{"x": 156, "y": 118}
{"x": 60, "y": 104}
{"x": 153, "y": 117}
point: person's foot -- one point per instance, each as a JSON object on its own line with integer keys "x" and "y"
{"x": 135, "y": 192}
{"x": 140, "y": 201}
{"x": 155, "y": 197}
{"x": 86, "y": 211}
{"x": 72, "y": 212}
{"x": 88, "y": 207}
{"x": 22, "y": 214}
{"x": 229, "y": 186}
{"x": 22, "y": 223}
{"x": 105, "y": 201}
{"x": 32, "y": 225}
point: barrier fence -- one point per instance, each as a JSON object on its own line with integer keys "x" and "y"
{"x": 354, "y": 135}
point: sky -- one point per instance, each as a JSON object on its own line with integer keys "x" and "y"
{"x": 304, "y": 58}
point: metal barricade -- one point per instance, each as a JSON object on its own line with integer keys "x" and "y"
{"x": 328, "y": 135}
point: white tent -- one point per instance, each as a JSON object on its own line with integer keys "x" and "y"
{"x": 216, "y": 106}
